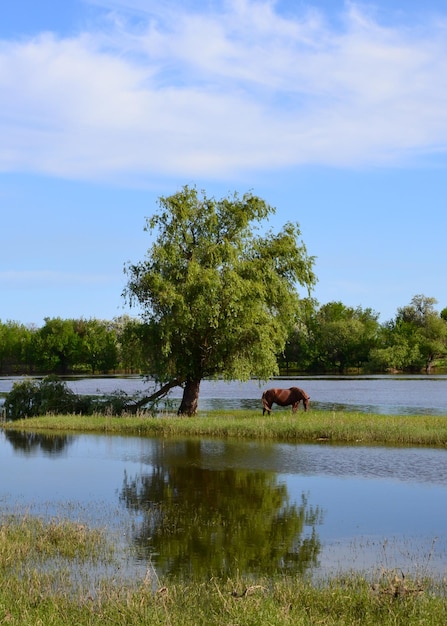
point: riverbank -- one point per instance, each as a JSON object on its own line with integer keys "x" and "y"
{"x": 52, "y": 573}
{"x": 335, "y": 427}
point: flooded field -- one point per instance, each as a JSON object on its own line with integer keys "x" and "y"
{"x": 194, "y": 508}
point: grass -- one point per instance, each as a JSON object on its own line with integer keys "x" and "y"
{"x": 32, "y": 539}
{"x": 312, "y": 427}
{"x": 36, "y": 589}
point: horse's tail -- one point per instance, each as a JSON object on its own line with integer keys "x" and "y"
{"x": 265, "y": 404}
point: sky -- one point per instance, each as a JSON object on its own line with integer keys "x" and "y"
{"x": 333, "y": 112}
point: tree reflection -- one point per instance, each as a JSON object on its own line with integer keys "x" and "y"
{"x": 29, "y": 443}
{"x": 198, "y": 522}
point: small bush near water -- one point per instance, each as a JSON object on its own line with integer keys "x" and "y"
{"x": 51, "y": 395}
{"x": 37, "y": 587}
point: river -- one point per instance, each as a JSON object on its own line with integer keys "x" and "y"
{"x": 195, "y": 508}
{"x": 391, "y": 395}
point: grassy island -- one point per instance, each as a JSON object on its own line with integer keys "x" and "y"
{"x": 337, "y": 427}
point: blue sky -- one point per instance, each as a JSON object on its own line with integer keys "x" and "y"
{"x": 334, "y": 112}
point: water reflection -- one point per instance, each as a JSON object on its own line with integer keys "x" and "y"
{"x": 33, "y": 443}
{"x": 198, "y": 508}
{"x": 197, "y": 522}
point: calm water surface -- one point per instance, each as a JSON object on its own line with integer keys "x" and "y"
{"x": 194, "y": 508}
{"x": 377, "y": 394}
{"x": 391, "y": 395}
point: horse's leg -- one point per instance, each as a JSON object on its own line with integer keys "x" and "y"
{"x": 295, "y": 407}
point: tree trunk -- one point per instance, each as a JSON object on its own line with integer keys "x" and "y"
{"x": 190, "y": 398}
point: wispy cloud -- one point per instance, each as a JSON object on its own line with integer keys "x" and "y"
{"x": 237, "y": 87}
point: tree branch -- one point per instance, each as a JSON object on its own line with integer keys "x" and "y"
{"x": 134, "y": 406}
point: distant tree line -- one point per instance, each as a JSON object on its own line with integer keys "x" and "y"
{"x": 331, "y": 338}
{"x": 337, "y": 338}
{"x": 70, "y": 346}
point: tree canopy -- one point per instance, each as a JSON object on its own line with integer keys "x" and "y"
{"x": 218, "y": 299}
{"x": 414, "y": 339}
{"x": 343, "y": 336}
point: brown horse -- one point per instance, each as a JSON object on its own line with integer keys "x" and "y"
{"x": 284, "y": 397}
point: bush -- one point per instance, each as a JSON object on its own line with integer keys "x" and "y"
{"x": 31, "y": 398}
{"x": 19, "y": 402}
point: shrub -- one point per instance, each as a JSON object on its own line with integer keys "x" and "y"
{"x": 30, "y": 398}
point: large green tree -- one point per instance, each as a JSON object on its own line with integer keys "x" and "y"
{"x": 57, "y": 345}
{"x": 415, "y": 338}
{"x": 343, "y": 336}
{"x": 218, "y": 299}
{"x": 15, "y": 342}
{"x": 98, "y": 347}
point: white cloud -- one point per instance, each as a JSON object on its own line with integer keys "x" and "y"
{"x": 228, "y": 90}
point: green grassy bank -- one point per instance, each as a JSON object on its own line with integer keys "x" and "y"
{"x": 311, "y": 427}
{"x": 47, "y": 577}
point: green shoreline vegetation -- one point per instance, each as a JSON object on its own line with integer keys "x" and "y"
{"x": 56, "y": 572}
{"x": 52, "y": 573}
{"x": 336, "y": 427}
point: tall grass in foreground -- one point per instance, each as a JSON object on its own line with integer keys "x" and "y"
{"x": 37, "y": 588}
{"x": 314, "y": 426}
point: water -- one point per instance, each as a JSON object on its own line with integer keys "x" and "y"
{"x": 195, "y": 508}
{"x": 390, "y": 395}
